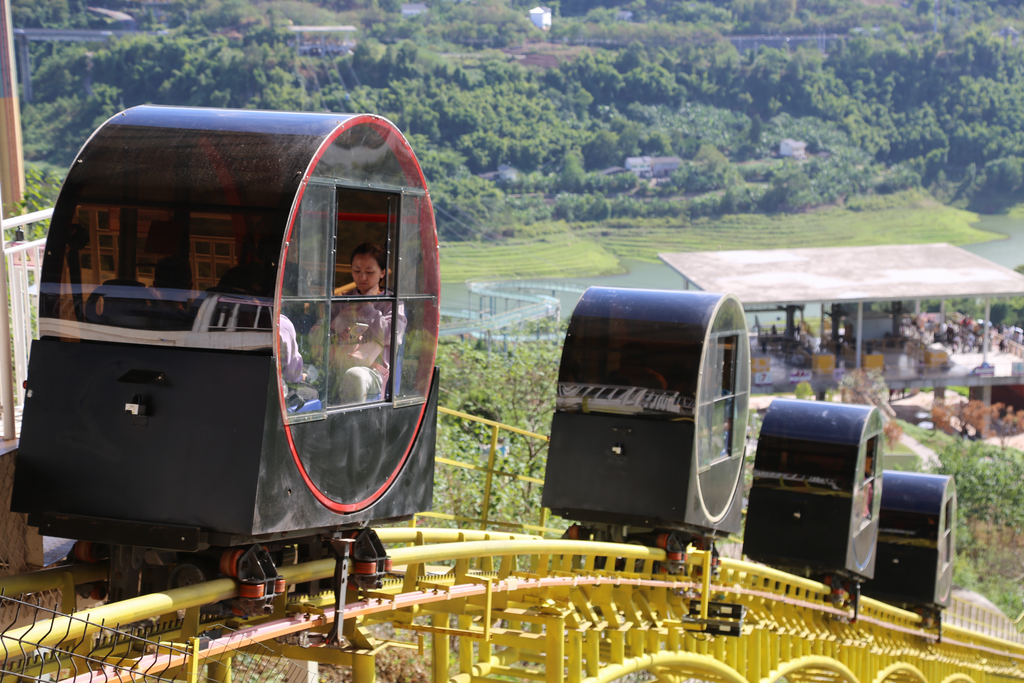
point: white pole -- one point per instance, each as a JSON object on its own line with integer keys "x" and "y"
{"x": 6, "y": 380}
{"x": 860, "y": 329}
{"x": 984, "y": 342}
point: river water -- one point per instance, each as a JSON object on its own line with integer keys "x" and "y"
{"x": 1007, "y": 252}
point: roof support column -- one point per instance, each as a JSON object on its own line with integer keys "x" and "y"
{"x": 988, "y": 325}
{"x": 942, "y": 311}
{"x": 860, "y": 329}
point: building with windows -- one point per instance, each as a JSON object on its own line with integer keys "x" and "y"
{"x": 652, "y": 167}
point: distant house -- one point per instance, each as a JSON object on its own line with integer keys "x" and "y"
{"x": 613, "y": 170}
{"x": 504, "y": 173}
{"x": 794, "y": 149}
{"x": 639, "y": 166}
{"x": 624, "y": 15}
{"x": 652, "y": 167}
{"x": 662, "y": 167}
{"x": 413, "y": 9}
{"x": 1008, "y": 33}
{"x": 541, "y": 17}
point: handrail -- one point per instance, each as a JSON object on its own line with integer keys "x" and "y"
{"x": 25, "y": 219}
{"x": 484, "y": 521}
{"x": 491, "y": 423}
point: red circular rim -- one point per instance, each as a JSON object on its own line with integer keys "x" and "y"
{"x": 410, "y": 166}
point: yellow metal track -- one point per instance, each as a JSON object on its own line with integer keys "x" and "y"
{"x": 537, "y": 610}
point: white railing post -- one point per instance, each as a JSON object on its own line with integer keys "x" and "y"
{"x": 6, "y": 361}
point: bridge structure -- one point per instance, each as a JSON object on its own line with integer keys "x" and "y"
{"x": 492, "y": 601}
{"x": 23, "y": 36}
{"x": 532, "y": 303}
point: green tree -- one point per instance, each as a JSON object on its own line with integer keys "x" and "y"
{"x": 573, "y": 174}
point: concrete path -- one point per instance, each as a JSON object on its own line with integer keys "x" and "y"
{"x": 929, "y": 459}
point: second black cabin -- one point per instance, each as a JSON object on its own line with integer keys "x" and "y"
{"x": 817, "y": 478}
{"x": 916, "y": 540}
{"x": 650, "y": 422}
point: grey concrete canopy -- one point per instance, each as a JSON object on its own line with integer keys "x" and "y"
{"x": 847, "y": 274}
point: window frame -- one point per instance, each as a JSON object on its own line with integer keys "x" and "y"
{"x": 399, "y": 196}
{"x": 732, "y": 398}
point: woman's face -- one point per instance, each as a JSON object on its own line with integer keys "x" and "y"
{"x": 366, "y": 274}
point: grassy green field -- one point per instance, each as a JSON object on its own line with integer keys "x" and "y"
{"x": 590, "y": 249}
{"x": 560, "y": 253}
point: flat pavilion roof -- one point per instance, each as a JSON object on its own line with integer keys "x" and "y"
{"x": 847, "y": 274}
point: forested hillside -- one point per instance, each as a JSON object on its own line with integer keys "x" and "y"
{"x": 886, "y": 110}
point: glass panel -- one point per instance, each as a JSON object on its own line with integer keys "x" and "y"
{"x": 739, "y": 432}
{"x": 360, "y": 350}
{"x": 306, "y": 275}
{"x": 864, "y": 505}
{"x": 364, "y": 222}
{"x": 721, "y": 431}
{"x": 200, "y": 157}
{"x": 729, "y": 317}
{"x": 151, "y": 279}
{"x": 411, "y": 272}
{"x": 705, "y": 436}
{"x": 815, "y": 463}
{"x": 366, "y": 153}
{"x": 711, "y": 372}
{"x": 417, "y": 345}
{"x": 901, "y": 526}
{"x": 303, "y": 344}
{"x": 638, "y": 352}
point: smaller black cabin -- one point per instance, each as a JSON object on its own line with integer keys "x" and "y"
{"x": 916, "y": 540}
{"x": 651, "y": 414}
{"x": 817, "y": 479}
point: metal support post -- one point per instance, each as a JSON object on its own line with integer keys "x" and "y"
{"x": 490, "y": 476}
{"x": 364, "y": 668}
{"x": 860, "y": 329}
{"x": 219, "y": 671}
{"x": 442, "y": 649}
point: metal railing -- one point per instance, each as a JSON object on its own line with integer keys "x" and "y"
{"x": 19, "y": 284}
{"x": 485, "y": 520}
{"x": 981, "y": 619}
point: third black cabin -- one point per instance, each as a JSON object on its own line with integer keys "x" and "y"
{"x": 817, "y": 478}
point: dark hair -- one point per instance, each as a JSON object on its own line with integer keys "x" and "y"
{"x": 374, "y": 250}
{"x": 172, "y": 272}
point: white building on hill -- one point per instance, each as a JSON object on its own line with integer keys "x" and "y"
{"x": 412, "y": 9}
{"x": 652, "y": 167}
{"x": 794, "y": 149}
{"x": 641, "y": 166}
{"x": 541, "y": 17}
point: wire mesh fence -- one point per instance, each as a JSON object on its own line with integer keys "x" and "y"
{"x": 62, "y": 647}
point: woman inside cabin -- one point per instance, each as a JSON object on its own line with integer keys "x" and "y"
{"x": 361, "y": 331}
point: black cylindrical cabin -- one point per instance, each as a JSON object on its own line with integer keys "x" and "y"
{"x": 238, "y": 326}
{"x": 916, "y": 540}
{"x": 651, "y": 414}
{"x": 814, "y": 502}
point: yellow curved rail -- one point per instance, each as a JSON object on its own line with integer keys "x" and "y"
{"x": 539, "y": 610}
